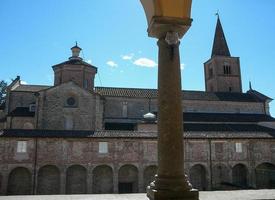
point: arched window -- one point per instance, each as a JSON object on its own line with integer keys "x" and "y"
{"x": 226, "y": 69}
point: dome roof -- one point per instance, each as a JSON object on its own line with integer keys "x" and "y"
{"x": 149, "y": 116}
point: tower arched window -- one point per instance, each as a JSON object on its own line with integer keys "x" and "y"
{"x": 226, "y": 69}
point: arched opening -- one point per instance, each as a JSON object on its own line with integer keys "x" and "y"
{"x": 28, "y": 125}
{"x": 148, "y": 175}
{"x": 76, "y": 180}
{"x": 197, "y": 176}
{"x": 128, "y": 179}
{"x": 19, "y": 182}
{"x": 239, "y": 176}
{"x": 48, "y": 180}
{"x": 265, "y": 176}
{"x": 103, "y": 180}
{"x": 220, "y": 177}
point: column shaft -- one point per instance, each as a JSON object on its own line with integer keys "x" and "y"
{"x": 170, "y": 146}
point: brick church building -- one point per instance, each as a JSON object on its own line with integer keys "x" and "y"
{"x": 75, "y": 138}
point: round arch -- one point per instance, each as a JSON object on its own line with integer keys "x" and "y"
{"x": 76, "y": 180}
{"x": 220, "y": 176}
{"x": 239, "y": 176}
{"x": 128, "y": 179}
{"x": 48, "y": 180}
{"x": 265, "y": 176}
{"x": 19, "y": 182}
{"x": 197, "y": 176}
{"x": 103, "y": 180}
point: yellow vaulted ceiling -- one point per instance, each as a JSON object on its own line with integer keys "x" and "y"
{"x": 173, "y": 8}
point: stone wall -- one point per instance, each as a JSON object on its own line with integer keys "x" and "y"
{"x": 21, "y": 123}
{"x": 55, "y": 113}
{"x": 137, "y": 107}
{"x": 210, "y": 164}
{"x": 20, "y": 99}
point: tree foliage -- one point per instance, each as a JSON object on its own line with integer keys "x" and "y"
{"x": 3, "y": 91}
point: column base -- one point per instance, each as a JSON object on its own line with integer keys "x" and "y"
{"x": 171, "y": 189}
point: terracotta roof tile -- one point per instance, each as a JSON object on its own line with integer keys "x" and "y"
{"x": 187, "y": 95}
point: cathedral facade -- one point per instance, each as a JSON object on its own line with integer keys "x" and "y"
{"x": 75, "y": 138}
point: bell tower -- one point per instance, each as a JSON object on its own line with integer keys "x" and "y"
{"x": 222, "y": 71}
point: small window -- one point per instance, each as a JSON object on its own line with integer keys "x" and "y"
{"x": 103, "y": 147}
{"x": 69, "y": 123}
{"x": 71, "y": 101}
{"x": 124, "y": 109}
{"x": 238, "y": 147}
{"x": 219, "y": 147}
{"x": 32, "y": 107}
{"x": 21, "y": 146}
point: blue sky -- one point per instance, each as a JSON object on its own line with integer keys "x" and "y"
{"x": 37, "y": 34}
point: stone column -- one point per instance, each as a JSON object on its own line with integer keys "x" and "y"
{"x": 170, "y": 182}
{"x": 90, "y": 179}
{"x": 115, "y": 178}
{"x": 140, "y": 179}
{"x": 63, "y": 181}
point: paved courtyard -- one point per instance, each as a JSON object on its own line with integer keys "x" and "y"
{"x": 216, "y": 195}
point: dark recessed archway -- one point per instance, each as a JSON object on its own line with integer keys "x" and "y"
{"x": 128, "y": 179}
{"x": 19, "y": 182}
{"x": 220, "y": 177}
{"x": 76, "y": 180}
{"x": 103, "y": 180}
{"x": 197, "y": 176}
{"x": 265, "y": 176}
{"x": 239, "y": 176}
{"x": 48, "y": 180}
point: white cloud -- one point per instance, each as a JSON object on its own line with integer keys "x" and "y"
{"x": 112, "y": 64}
{"x": 23, "y": 82}
{"x": 128, "y": 57}
{"x": 182, "y": 66}
{"x": 145, "y": 62}
{"x": 89, "y": 61}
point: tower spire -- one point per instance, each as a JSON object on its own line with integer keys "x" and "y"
{"x": 220, "y": 47}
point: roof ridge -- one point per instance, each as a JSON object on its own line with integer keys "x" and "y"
{"x": 155, "y": 89}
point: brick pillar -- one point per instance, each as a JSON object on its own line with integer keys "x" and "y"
{"x": 251, "y": 177}
{"x": 141, "y": 188}
{"x": 90, "y": 180}
{"x": 115, "y": 179}
{"x": 63, "y": 181}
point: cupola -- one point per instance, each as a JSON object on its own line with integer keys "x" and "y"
{"x": 75, "y": 52}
